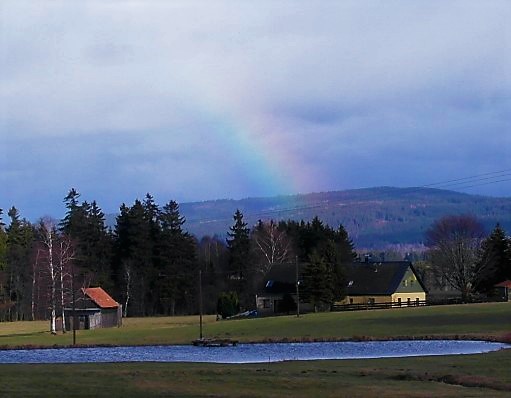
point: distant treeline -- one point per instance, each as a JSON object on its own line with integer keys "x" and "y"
{"x": 375, "y": 218}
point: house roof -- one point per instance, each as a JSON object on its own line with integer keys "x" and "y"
{"x": 504, "y": 284}
{"x": 100, "y": 297}
{"x": 361, "y": 278}
{"x": 281, "y": 278}
{"x": 376, "y": 278}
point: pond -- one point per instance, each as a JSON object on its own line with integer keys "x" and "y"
{"x": 251, "y": 353}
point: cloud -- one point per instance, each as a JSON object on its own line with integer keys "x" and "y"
{"x": 345, "y": 94}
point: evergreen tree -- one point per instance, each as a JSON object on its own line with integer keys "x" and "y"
{"x": 74, "y": 219}
{"x": 134, "y": 255}
{"x": 98, "y": 243}
{"x": 20, "y": 237}
{"x": 4, "y": 291}
{"x": 84, "y": 225}
{"x": 495, "y": 260}
{"x": 178, "y": 263}
{"x": 3, "y": 245}
{"x": 238, "y": 246}
{"x": 318, "y": 282}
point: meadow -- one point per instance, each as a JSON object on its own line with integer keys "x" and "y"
{"x": 482, "y": 375}
{"x": 488, "y": 320}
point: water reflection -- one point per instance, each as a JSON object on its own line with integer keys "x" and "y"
{"x": 252, "y": 353}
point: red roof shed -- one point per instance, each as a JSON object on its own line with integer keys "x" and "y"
{"x": 100, "y": 297}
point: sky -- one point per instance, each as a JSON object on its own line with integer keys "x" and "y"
{"x": 198, "y": 100}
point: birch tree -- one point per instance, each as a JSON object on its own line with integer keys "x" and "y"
{"x": 66, "y": 256}
{"x": 271, "y": 245}
{"x": 127, "y": 280}
{"x": 48, "y": 233}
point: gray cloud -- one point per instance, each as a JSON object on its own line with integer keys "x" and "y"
{"x": 119, "y": 98}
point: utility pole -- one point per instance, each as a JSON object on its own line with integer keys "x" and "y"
{"x": 297, "y": 289}
{"x": 200, "y": 304}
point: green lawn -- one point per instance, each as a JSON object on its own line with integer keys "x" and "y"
{"x": 479, "y": 320}
{"x": 484, "y": 375}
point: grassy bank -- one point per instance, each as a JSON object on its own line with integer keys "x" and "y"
{"x": 484, "y": 375}
{"x": 475, "y": 320}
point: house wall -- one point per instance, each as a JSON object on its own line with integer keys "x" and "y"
{"x": 110, "y": 317}
{"x": 413, "y": 297}
{"x": 409, "y": 283}
{"x": 268, "y": 304}
{"x": 85, "y": 319}
{"x": 374, "y": 299}
{"x": 265, "y": 305}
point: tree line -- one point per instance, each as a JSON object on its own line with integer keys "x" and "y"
{"x": 150, "y": 264}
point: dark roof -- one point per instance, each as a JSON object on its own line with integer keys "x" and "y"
{"x": 284, "y": 272}
{"x": 361, "y": 278}
{"x": 281, "y": 278}
{"x": 376, "y": 278}
{"x": 100, "y": 297}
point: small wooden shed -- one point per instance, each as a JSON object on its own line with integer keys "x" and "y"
{"x": 504, "y": 290}
{"x": 94, "y": 309}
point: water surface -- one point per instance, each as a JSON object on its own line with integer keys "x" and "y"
{"x": 252, "y": 353}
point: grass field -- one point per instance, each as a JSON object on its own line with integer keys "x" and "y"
{"x": 478, "y": 320}
{"x": 485, "y": 375}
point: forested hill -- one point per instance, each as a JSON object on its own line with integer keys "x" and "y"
{"x": 374, "y": 217}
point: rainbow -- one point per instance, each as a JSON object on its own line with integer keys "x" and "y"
{"x": 269, "y": 166}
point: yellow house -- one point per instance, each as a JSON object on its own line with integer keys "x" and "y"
{"x": 386, "y": 282}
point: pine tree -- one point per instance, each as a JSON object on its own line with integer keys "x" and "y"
{"x": 238, "y": 245}
{"x": 74, "y": 218}
{"x": 318, "y": 282}
{"x": 4, "y": 291}
{"x": 19, "y": 249}
{"x": 134, "y": 256}
{"x": 495, "y": 260}
{"x": 3, "y": 246}
{"x": 178, "y": 263}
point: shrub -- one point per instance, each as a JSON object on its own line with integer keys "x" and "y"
{"x": 228, "y": 304}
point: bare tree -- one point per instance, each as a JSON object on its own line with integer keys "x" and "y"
{"x": 66, "y": 256}
{"x": 455, "y": 248}
{"x": 35, "y": 285}
{"x": 48, "y": 233}
{"x": 272, "y": 245}
{"x": 127, "y": 280}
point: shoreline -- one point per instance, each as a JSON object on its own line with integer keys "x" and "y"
{"x": 506, "y": 339}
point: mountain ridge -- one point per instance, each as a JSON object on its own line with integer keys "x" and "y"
{"x": 375, "y": 217}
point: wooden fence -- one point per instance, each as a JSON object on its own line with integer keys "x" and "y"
{"x": 403, "y": 304}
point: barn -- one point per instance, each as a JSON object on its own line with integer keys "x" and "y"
{"x": 95, "y": 309}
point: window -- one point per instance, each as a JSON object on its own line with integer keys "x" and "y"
{"x": 351, "y": 301}
{"x": 405, "y": 283}
{"x": 370, "y": 300}
{"x": 266, "y": 303}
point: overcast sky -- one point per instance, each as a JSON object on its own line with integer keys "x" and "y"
{"x": 206, "y": 100}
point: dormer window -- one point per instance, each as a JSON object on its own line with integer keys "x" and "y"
{"x": 350, "y": 283}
